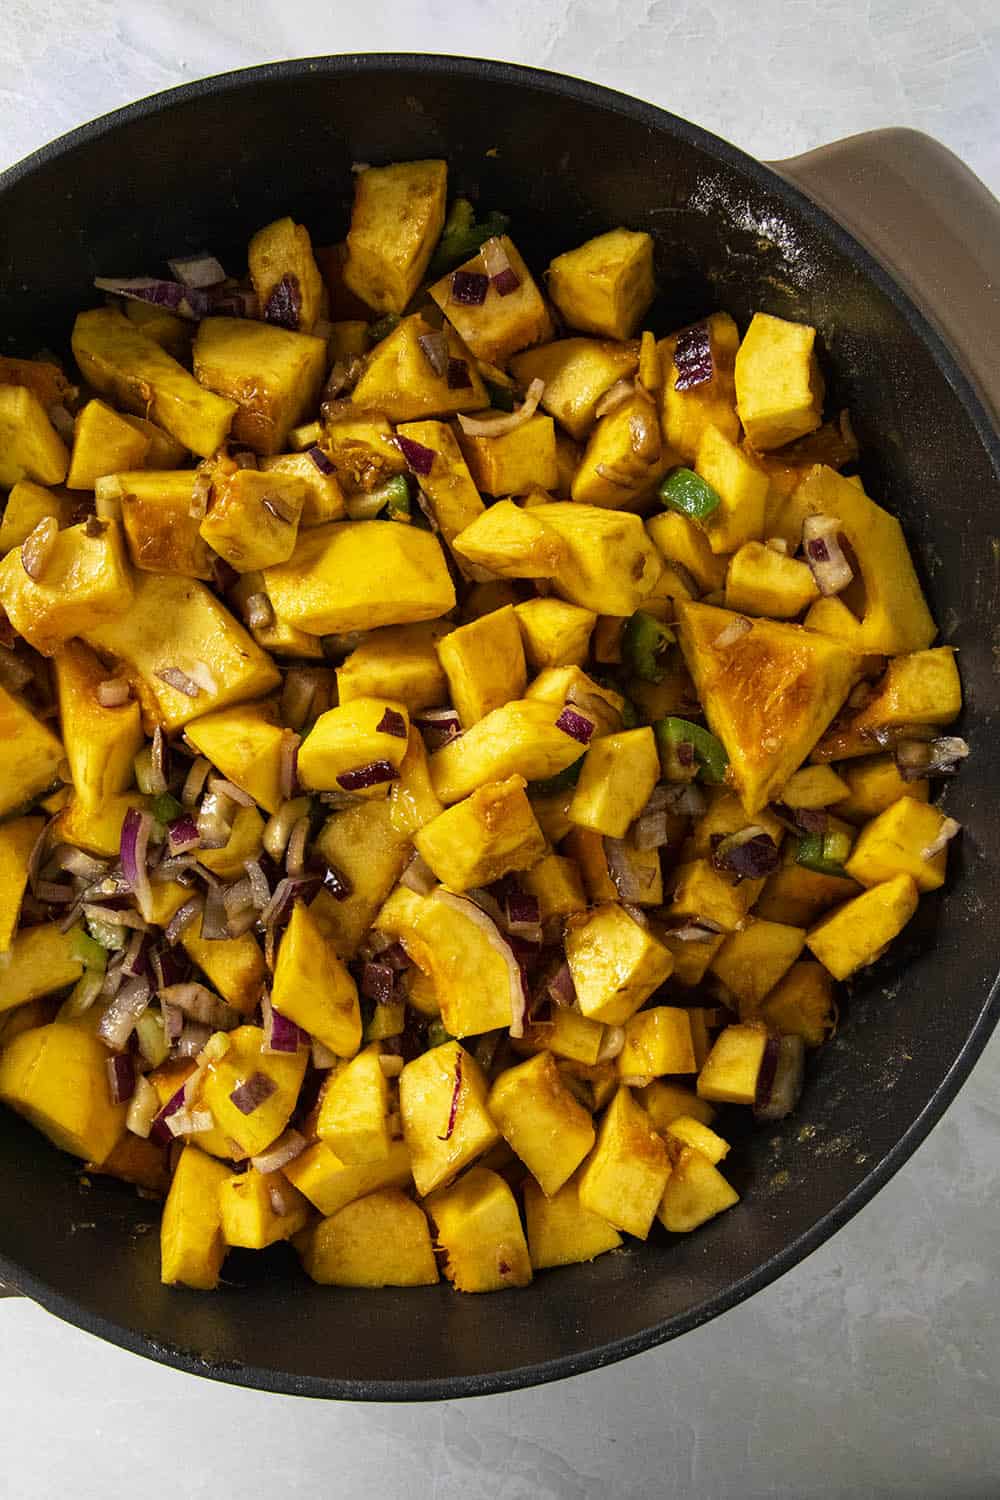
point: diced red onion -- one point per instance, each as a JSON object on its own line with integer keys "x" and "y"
{"x": 113, "y": 692}
{"x": 216, "y": 816}
{"x": 118, "y": 1021}
{"x": 614, "y": 397}
{"x": 53, "y": 894}
{"x": 37, "y": 548}
{"x": 458, "y": 375}
{"x": 779, "y": 1082}
{"x": 214, "y": 927}
{"x": 182, "y": 834}
{"x": 469, "y": 288}
{"x": 258, "y": 612}
{"x": 375, "y": 773}
{"x": 182, "y": 919}
{"x": 254, "y": 1092}
{"x": 190, "y": 1122}
{"x": 179, "y": 681}
{"x": 135, "y": 961}
{"x": 611, "y": 1043}
{"x": 285, "y": 1149}
{"x": 322, "y": 1057}
{"x": 495, "y": 256}
{"x": 418, "y": 876}
{"x": 63, "y": 421}
{"x": 738, "y": 627}
{"x": 504, "y": 422}
{"x": 260, "y": 890}
{"x": 289, "y": 763}
{"x": 575, "y": 725}
{"x": 824, "y": 554}
{"x": 419, "y": 459}
{"x": 811, "y": 819}
{"x": 378, "y": 982}
{"x": 160, "y": 1130}
{"x": 695, "y": 932}
{"x": 506, "y": 282}
{"x": 198, "y": 271}
{"x": 295, "y": 854}
{"x": 136, "y": 829}
{"x": 434, "y": 347}
{"x": 281, "y": 1034}
{"x": 278, "y": 829}
{"x": 491, "y": 932}
{"x": 143, "y": 1109}
{"x": 238, "y": 897}
{"x": 320, "y": 459}
{"x": 201, "y": 1005}
{"x": 191, "y": 1038}
{"x": 222, "y": 788}
{"x": 949, "y": 828}
{"x": 652, "y": 830}
{"x": 186, "y": 301}
{"x": 438, "y": 726}
{"x": 121, "y": 1077}
{"x": 114, "y": 916}
{"x": 278, "y": 508}
{"x": 693, "y": 357}
{"x": 194, "y": 782}
{"x": 522, "y": 911}
{"x": 284, "y": 305}
{"x": 750, "y": 854}
{"x": 393, "y": 723}
{"x": 278, "y": 909}
{"x": 456, "y": 1095}
{"x": 75, "y": 862}
{"x": 561, "y": 988}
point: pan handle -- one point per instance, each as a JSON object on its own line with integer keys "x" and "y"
{"x": 931, "y": 223}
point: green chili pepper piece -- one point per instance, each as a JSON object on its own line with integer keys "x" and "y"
{"x": 562, "y": 781}
{"x": 686, "y": 492}
{"x": 824, "y": 853}
{"x": 645, "y": 643}
{"x": 89, "y": 952}
{"x": 709, "y": 755}
{"x": 166, "y": 808}
{"x": 462, "y": 236}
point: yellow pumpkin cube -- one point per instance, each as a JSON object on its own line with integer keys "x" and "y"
{"x": 609, "y": 565}
{"x": 688, "y": 411}
{"x": 561, "y": 1232}
{"x": 245, "y": 843}
{"x": 512, "y": 542}
{"x": 104, "y": 442}
{"x": 691, "y": 959}
{"x": 56, "y": 1076}
{"x": 723, "y": 816}
{"x": 382, "y": 1239}
{"x": 483, "y": 837}
{"x": 192, "y": 1247}
{"x": 555, "y": 883}
{"x": 400, "y": 382}
{"x": 30, "y": 447}
{"x": 750, "y": 963}
{"x": 695, "y": 1193}
{"x": 354, "y": 1110}
{"x": 922, "y": 688}
{"x": 253, "y": 520}
{"x": 363, "y": 844}
{"x": 101, "y": 743}
{"x": 576, "y": 374}
{"x": 769, "y": 692}
{"x": 313, "y": 988}
{"x": 618, "y": 777}
{"x": 322, "y": 497}
{"x": 484, "y": 664}
{"x": 233, "y": 966}
{"x": 873, "y": 784}
{"x": 243, "y": 1060}
{"x": 177, "y": 625}
{"x": 779, "y": 389}
{"x": 248, "y": 1217}
{"x": 691, "y": 1131}
{"x": 666, "y": 1102}
{"x": 519, "y": 739}
{"x": 273, "y": 376}
{"x": 894, "y": 844}
{"x": 742, "y": 489}
{"x": 703, "y": 892}
{"x": 565, "y": 1034}
{"x": 97, "y": 828}
{"x": 330, "y": 1184}
{"x": 541, "y": 1120}
{"x": 41, "y": 959}
{"x": 446, "y": 1124}
{"x": 361, "y": 445}
{"x": 554, "y": 633}
{"x": 27, "y": 504}
{"x": 356, "y": 575}
{"x": 285, "y": 275}
{"x": 815, "y": 787}
{"x": 560, "y": 685}
{"x": 244, "y": 744}
{"x": 155, "y": 513}
{"x": 17, "y": 839}
{"x": 479, "y": 1229}
{"x": 684, "y": 542}
{"x": 615, "y": 963}
{"x": 624, "y": 1177}
{"x": 449, "y": 490}
{"x": 761, "y": 581}
{"x": 413, "y": 802}
{"x": 29, "y": 754}
{"x": 729, "y": 1074}
{"x": 172, "y": 333}
{"x": 396, "y": 220}
{"x": 802, "y": 1004}
{"x": 657, "y": 1041}
{"x": 499, "y": 326}
{"x": 84, "y": 582}
{"x": 398, "y": 662}
{"x": 474, "y": 984}
{"x": 624, "y": 458}
{"x": 606, "y": 285}
{"x": 345, "y": 741}
{"x": 514, "y": 463}
{"x": 122, "y": 362}
{"x": 797, "y": 896}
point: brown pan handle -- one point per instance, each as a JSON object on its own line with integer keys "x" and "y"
{"x": 931, "y": 223}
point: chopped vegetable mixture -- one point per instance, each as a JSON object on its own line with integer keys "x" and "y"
{"x": 453, "y": 739}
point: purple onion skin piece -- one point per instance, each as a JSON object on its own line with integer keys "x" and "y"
{"x": 750, "y": 861}
{"x": 284, "y": 306}
{"x": 506, "y": 281}
{"x": 575, "y": 725}
{"x": 392, "y": 723}
{"x": 768, "y": 1068}
{"x": 693, "y": 358}
{"x": 418, "y": 458}
{"x": 469, "y": 288}
{"x": 458, "y": 375}
{"x": 373, "y": 774}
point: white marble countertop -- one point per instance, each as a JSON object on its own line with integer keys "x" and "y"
{"x": 873, "y": 1368}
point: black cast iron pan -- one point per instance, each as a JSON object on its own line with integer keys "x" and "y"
{"x": 204, "y": 166}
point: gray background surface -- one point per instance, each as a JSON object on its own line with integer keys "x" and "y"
{"x": 872, "y": 1369}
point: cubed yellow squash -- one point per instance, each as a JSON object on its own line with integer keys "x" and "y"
{"x": 248, "y": 1216}
{"x": 397, "y": 217}
{"x": 856, "y": 933}
{"x": 519, "y": 739}
{"x": 802, "y": 1004}
{"x": 244, "y": 743}
{"x": 797, "y": 896}
{"x": 172, "y": 333}
{"x": 272, "y": 376}
{"x": 570, "y": 685}
{"x": 606, "y": 285}
{"x": 192, "y": 1246}
{"x": 751, "y": 962}
{"x": 779, "y": 388}
{"x": 554, "y": 633}
{"x": 446, "y": 1124}
{"x": 555, "y": 883}
{"x": 815, "y": 787}
{"x": 356, "y": 575}
{"x": 329, "y": 1183}
{"x": 624, "y": 458}
{"x": 691, "y": 959}
{"x": 285, "y": 275}
{"x": 233, "y": 966}
{"x": 178, "y": 625}
{"x": 499, "y": 326}
{"x": 400, "y": 382}
{"x": 244, "y": 843}
{"x": 155, "y": 513}
{"x": 353, "y": 1115}
{"x": 243, "y": 1059}
{"x": 576, "y": 374}
{"x": 413, "y": 802}
{"x": 617, "y": 779}
{"x": 322, "y": 497}
{"x": 761, "y": 581}
{"x": 313, "y": 988}
{"x": 363, "y": 844}
{"x": 82, "y": 583}
{"x": 448, "y": 488}
{"x": 609, "y": 564}
{"x": 120, "y": 361}
{"x": 686, "y": 409}
{"x": 874, "y": 784}
{"x": 27, "y": 504}
{"x": 725, "y": 815}
{"x": 696, "y": 1192}
{"x": 565, "y": 1034}
{"x": 541, "y": 1121}
{"x": 41, "y": 959}
{"x": 615, "y": 963}
{"x": 97, "y": 827}
{"x": 475, "y": 985}
{"x": 484, "y": 664}
{"x": 729, "y": 1074}
{"x": 561, "y": 1232}
{"x": 398, "y": 662}
{"x": 703, "y": 892}
{"x": 741, "y": 487}
{"x": 516, "y": 462}
{"x": 18, "y": 838}
{"x": 896, "y": 843}
{"x": 479, "y": 1229}
{"x": 360, "y": 444}
{"x": 666, "y": 1102}
{"x": 624, "y": 1177}
{"x": 487, "y": 835}
{"x": 253, "y": 520}
{"x": 56, "y": 1076}
{"x": 683, "y": 542}
{"x": 657, "y": 1041}
{"x": 691, "y": 1131}
{"x": 104, "y": 442}
{"x": 346, "y": 741}
{"x": 511, "y": 541}
{"x": 101, "y": 743}
{"x": 30, "y": 447}
{"x": 769, "y": 692}
{"x": 382, "y": 1239}
{"x": 921, "y": 688}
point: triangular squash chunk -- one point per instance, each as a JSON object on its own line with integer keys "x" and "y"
{"x": 768, "y": 692}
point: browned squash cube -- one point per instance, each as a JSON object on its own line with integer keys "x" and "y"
{"x": 380, "y": 1240}
{"x": 479, "y": 1229}
{"x": 623, "y": 1179}
{"x": 561, "y": 1232}
{"x": 541, "y": 1120}
{"x": 272, "y": 375}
